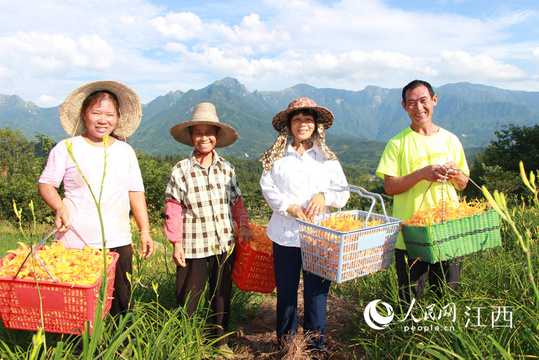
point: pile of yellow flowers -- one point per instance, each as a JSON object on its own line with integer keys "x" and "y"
{"x": 346, "y": 222}
{"x": 260, "y": 241}
{"x": 73, "y": 266}
{"x": 447, "y": 210}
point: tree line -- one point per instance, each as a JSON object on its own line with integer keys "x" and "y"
{"x": 22, "y": 161}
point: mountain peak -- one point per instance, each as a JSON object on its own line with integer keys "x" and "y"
{"x": 232, "y": 85}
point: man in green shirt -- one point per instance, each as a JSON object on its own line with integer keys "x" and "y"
{"x": 417, "y": 165}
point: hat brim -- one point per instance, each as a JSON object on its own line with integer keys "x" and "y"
{"x": 227, "y": 135}
{"x": 325, "y": 117}
{"x": 129, "y": 102}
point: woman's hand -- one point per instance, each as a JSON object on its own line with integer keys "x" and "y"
{"x": 297, "y": 211}
{"x": 147, "y": 244}
{"x": 315, "y": 206}
{"x": 179, "y": 254}
{"x": 61, "y": 220}
{"x": 245, "y": 235}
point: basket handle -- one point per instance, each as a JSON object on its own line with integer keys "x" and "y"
{"x": 378, "y": 196}
{"x": 365, "y": 194}
{"x": 38, "y": 245}
{"x": 33, "y": 250}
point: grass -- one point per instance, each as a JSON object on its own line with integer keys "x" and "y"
{"x": 156, "y": 327}
{"x": 491, "y": 281}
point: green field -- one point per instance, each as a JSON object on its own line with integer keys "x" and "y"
{"x": 494, "y": 315}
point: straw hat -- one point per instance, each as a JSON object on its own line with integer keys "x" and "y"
{"x": 204, "y": 114}
{"x": 325, "y": 117}
{"x": 130, "y": 108}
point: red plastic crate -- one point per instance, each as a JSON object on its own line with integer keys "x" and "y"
{"x": 66, "y": 307}
{"x": 253, "y": 270}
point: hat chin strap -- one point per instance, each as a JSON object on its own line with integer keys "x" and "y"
{"x": 202, "y": 156}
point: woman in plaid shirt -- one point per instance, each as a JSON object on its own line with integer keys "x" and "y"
{"x": 202, "y": 200}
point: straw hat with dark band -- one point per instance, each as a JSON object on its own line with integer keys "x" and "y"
{"x": 325, "y": 117}
{"x": 130, "y": 108}
{"x": 204, "y": 114}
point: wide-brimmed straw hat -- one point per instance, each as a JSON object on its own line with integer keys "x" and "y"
{"x": 204, "y": 114}
{"x": 130, "y": 108}
{"x": 279, "y": 148}
{"x": 325, "y": 117}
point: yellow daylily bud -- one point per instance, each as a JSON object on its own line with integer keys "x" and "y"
{"x": 523, "y": 174}
{"x": 493, "y": 202}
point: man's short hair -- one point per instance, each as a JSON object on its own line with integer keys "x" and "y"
{"x": 414, "y": 84}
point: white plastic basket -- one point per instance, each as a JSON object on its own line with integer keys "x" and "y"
{"x": 343, "y": 256}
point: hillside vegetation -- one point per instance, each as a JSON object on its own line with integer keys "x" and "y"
{"x": 472, "y": 112}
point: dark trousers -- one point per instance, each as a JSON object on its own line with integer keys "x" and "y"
{"x": 121, "y": 303}
{"x": 412, "y": 276}
{"x": 287, "y": 261}
{"x": 191, "y": 282}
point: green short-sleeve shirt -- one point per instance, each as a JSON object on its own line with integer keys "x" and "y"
{"x": 409, "y": 151}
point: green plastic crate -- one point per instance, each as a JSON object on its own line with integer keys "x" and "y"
{"x": 454, "y": 238}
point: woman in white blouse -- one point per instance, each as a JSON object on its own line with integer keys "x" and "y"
{"x": 299, "y": 171}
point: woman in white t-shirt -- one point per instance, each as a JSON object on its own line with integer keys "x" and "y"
{"x": 89, "y": 114}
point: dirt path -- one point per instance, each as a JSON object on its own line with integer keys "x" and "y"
{"x": 257, "y": 340}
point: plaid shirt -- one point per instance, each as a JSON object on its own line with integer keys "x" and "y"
{"x": 207, "y": 196}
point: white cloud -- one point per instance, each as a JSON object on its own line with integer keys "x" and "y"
{"x": 250, "y": 37}
{"x": 182, "y": 26}
{"x": 52, "y": 47}
{"x": 46, "y": 101}
{"x": 127, "y": 19}
{"x": 175, "y": 47}
{"x": 43, "y": 53}
{"x": 462, "y": 64}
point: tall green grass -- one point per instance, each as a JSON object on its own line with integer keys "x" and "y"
{"x": 156, "y": 329}
{"x": 490, "y": 280}
{"x": 500, "y": 278}
{"x": 494, "y": 277}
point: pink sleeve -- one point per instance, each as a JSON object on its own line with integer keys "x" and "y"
{"x": 173, "y": 221}
{"x": 239, "y": 213}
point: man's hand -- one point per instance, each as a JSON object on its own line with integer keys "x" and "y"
{"x": 435, "y": 173}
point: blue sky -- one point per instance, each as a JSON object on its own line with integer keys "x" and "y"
{"x": 49, "y": 48}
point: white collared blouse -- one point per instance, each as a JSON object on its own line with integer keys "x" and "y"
{"x": 295, "y": 179}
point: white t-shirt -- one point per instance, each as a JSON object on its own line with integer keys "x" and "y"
{"x": 122, "y": 176}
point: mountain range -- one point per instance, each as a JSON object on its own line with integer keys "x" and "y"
{"x": 364, "y": 120}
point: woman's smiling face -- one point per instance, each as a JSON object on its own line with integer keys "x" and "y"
{"x": 302, "y": 127}
{"x": 204, "y": 138}
{"x": 101, "y": 119}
